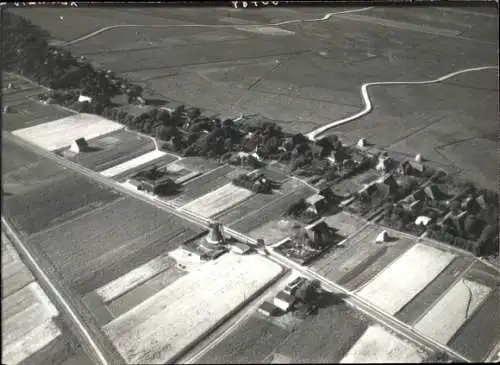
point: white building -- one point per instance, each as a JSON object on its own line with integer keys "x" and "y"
{"x": 284, "y": 301}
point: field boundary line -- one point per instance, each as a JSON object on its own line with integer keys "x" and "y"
{"x": 368, "y": 106}
{"x": 249, "y": 309}
{"x": 54, "y": 290}
{"x": 373, "y": 278}
{"x": 441, "y": 296}
{"x": 72, "y": 220}
{"x": 371, "y": 310}
{"x": 327, "y": 16}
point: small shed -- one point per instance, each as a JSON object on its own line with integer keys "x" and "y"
{"x": 268, "y": 309}
{"x": 79, "y": 145}
{"x": 284, "y": 301}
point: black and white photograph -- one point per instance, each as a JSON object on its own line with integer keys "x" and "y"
{"x": 249, "y": 182}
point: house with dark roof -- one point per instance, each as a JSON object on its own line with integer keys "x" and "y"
{"x": 284, "y": 301}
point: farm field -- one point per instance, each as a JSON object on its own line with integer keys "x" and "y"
{"x": 136, "y": 333}
{"x": 124, "y": 234}
{"x": 60, "y": 133}
{"x": 15, "y": 275}
{"x": 417, "y": 307}
{"x": 218, "y": 200}
{"x": 448, "y": 314}
{"x": 388, "y": 47}
{"x": 344, "y": 223}
{"x": 359, "y": 259}
{"x": 204, "y": 184}
{"x": 40, "y": 207}
{"x": 29, "y": 113}
{"x": 336, "y": 328}
{"x": 238, "y": 211}
{"x": 136, "y": 162}
{"x": 401, "y": 281}
{"x": 112, "y": 149}
{"x": 198, "y": 164}
{"x": 478, "y": 336}
{"x": 271, "y": 211}
{"x": 377, "y": 345}
{"x": 29, "y": 333}
{"x": 134, "y": 278}
{"x": 163, "y": 161}
{"x": 274, "y": 231}
{"x": 140, "y": 293}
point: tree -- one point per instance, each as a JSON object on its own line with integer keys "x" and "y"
{"x": 472, "y": 226}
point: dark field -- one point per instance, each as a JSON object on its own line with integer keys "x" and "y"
{"x": 205, "y": 184}
{"x": 271, "y": 211}
{"x": 324, "y": 338}
{"x": 39, "y": 209}
{"x": 113, "y": 149}
{"x": 411, "y": 312}
{"x": 249, "y": 205}
{"x": 124, "y": 234}
{"x": 480, "y": 334}
{"x": 30, "y": 113}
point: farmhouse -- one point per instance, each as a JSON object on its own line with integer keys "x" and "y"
{"x": 284, "y": 301}
{"x": 268, "y": 309}
{"x": 318, "y": 232}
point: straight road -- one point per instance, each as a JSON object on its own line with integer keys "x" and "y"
{"x": 351, "y": 298}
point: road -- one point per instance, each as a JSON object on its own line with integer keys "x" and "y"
{"x": 350, "y": 297}
{"x": 368, "y": 104}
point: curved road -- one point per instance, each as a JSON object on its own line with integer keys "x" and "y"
{"x": 111, "y": 27}
{"x": 368, "y": 104}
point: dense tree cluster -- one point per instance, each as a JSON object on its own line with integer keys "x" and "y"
{"x": 468, "y": 220}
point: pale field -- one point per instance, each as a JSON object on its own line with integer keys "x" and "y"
{"x": 377, "y": 345}
{"x": 34, "y": 341}
{"x": 399, "y": 283}
{"x": 452, "y": 310}
{"x": 15, "y": 275}
{"x": 62, "y": 132}
{"x": 135, "y": 162}
{"x": 219, "y": 200}
{"x": 156, "y": 330}
{"x": 134, "y": 278}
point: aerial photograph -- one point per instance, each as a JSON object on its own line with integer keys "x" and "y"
{"x": 249, "y": 182}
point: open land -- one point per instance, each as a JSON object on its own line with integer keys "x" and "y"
{"x": 336, "y": 327}
{"x": 156, "y": 332}
{"x": 62, "y": 132}
{"x": 359, "y": 259}
{"x": 133, "y": 163}
{"x": 478, "y": 336}
{"x": 113, "y": 149}
{"x": 34, "y": 186}
{"x": 417, "y": 307}
{"x": 218, "y": 200}
{"x": 125, "y": 233}
{"x": 205, "y": 184}
{"x": 238, "y": 211}
{"x": 377, "y": 345}
{"x": 401, "y": 281}
{"x": 293, "y": 191}
{"x": 239, "y": 72}
{"x": 452, "y": 310}
{"x": 28, "y": 113}
{"x": 30, "y": 333}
